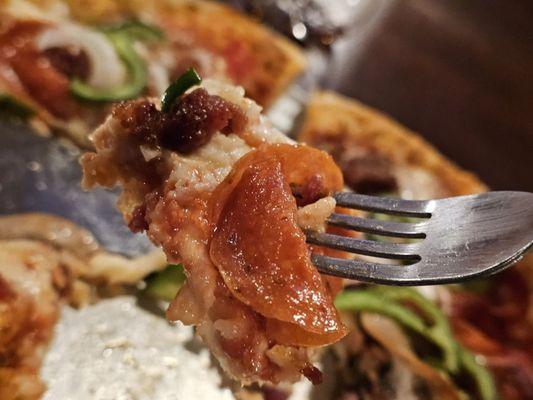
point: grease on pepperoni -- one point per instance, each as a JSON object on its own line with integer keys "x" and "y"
{"x": 260, "y": 251}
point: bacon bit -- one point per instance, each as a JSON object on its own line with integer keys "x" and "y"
{"x": 313, "y": 374}
{"x": 196, "y": 118}
{"x": 72, "y": 63}
{"x": 141, "y": 119}
{"x": 189, "y": 125}
{"x": 369, "y": 174}
{"x": 263, "y": 258}
{"x": 137, "y": 221}
{"x": 272, "y": 393}
{"x": 6, "y": 293}
{"x": 365, "y": 169}
{"x": 314, "y": 190}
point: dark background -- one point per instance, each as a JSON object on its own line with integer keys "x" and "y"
{"x": 461, "y": 74}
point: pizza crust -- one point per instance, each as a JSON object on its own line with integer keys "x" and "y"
{"x": 335, "y": 117}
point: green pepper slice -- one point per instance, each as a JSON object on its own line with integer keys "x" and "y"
{"x": 389, "y": 301}
{"x": 12, "y": 108}
{"x": 187, "y": 80}
{"x": 137, "y": 30}
{"x": 167, "y": 283}
{"x": 481, "y": 376}
{"x": 386, "y": 301}
{"x": 123, "y": 45}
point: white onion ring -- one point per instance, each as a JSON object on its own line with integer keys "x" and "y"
{"x": 106, "y": 68}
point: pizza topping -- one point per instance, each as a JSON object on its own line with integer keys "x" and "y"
{"x": 369, "y": 174}
{"x": 251, "y": 289}
{"x": 110, "y": 53}
{"x": 189, "y": 125}
{"x": 263, "y": 258}
{"x": 12, "y": 108}
{"x": 415, "y": 313}
{"x": 123, "y": 46}
{"x": 196, "y": 118}
{"x": 28, "y": 67}
{"x": 165, "y": 284}
{"x": 365, "y": 170}
{"x": 72, "y": 62}
{"x": 184, "y": 82}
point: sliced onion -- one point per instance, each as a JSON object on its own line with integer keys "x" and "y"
{"x": 386, "y": 332}
{"x": 106, "y": 71}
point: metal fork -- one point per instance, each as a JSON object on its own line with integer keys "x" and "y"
{"x": 460, "y": 238}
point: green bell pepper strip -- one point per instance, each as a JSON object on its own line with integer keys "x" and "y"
{"x": 123, "y": 45}
{"x": 165, "y": 284}
{"x": 439, "y": 332}
{"x": 187, "y": 80}
{"x": 385, "y": 301}
{"x": 388, "y": 301}
{"x": 11, "y": 108}
{"x": 137, "y": 30}
{"x": 482, "y": 378}
{"x": 369, "y": 300}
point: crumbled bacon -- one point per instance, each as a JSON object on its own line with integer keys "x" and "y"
{"x": 313, "y": 190}
{"x": 195, "y": 119}
{"x": 137, "y": 221}
{"x": 313, "y": 374}
{"x": 189, "y": 125}
{"x": 73, "y": 63}
{"x": 369, "y": 174}
{"x": 141, "y": 119}
{"x": 364, "y": 169}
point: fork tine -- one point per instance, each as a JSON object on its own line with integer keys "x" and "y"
{"x": 386, "y": 205}
{"x": 398, "y": 251}
{"x": 367, "y": 272}
{"x": 386, "y": 228}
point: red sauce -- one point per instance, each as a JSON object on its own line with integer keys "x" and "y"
{"x": 46, "y": 85}
{"x": 239, "y": 60}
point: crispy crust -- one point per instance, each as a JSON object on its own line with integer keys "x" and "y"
{"x": 329, "y": 114}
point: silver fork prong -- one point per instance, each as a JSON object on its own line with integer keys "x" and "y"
{"x": 397, "y": 251}
{"x": 386, "y": 205}
{"x": 379, "y": 227}
{"x": 366, "y": 271}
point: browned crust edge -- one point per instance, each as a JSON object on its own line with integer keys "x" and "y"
{"x": 332, "y": 114}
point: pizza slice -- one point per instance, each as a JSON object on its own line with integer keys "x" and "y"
{"x": 491, "y": 317}
{"x": 45, "y": 262}
{"x": 222, "y": 192}
{"x": 66, "y": 63}
{"x": 378, "y": 155}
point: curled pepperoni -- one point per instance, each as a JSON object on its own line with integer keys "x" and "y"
{"x": 260, "y": 251}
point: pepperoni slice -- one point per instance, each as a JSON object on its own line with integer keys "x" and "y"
{"x": 260, "y": 251}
